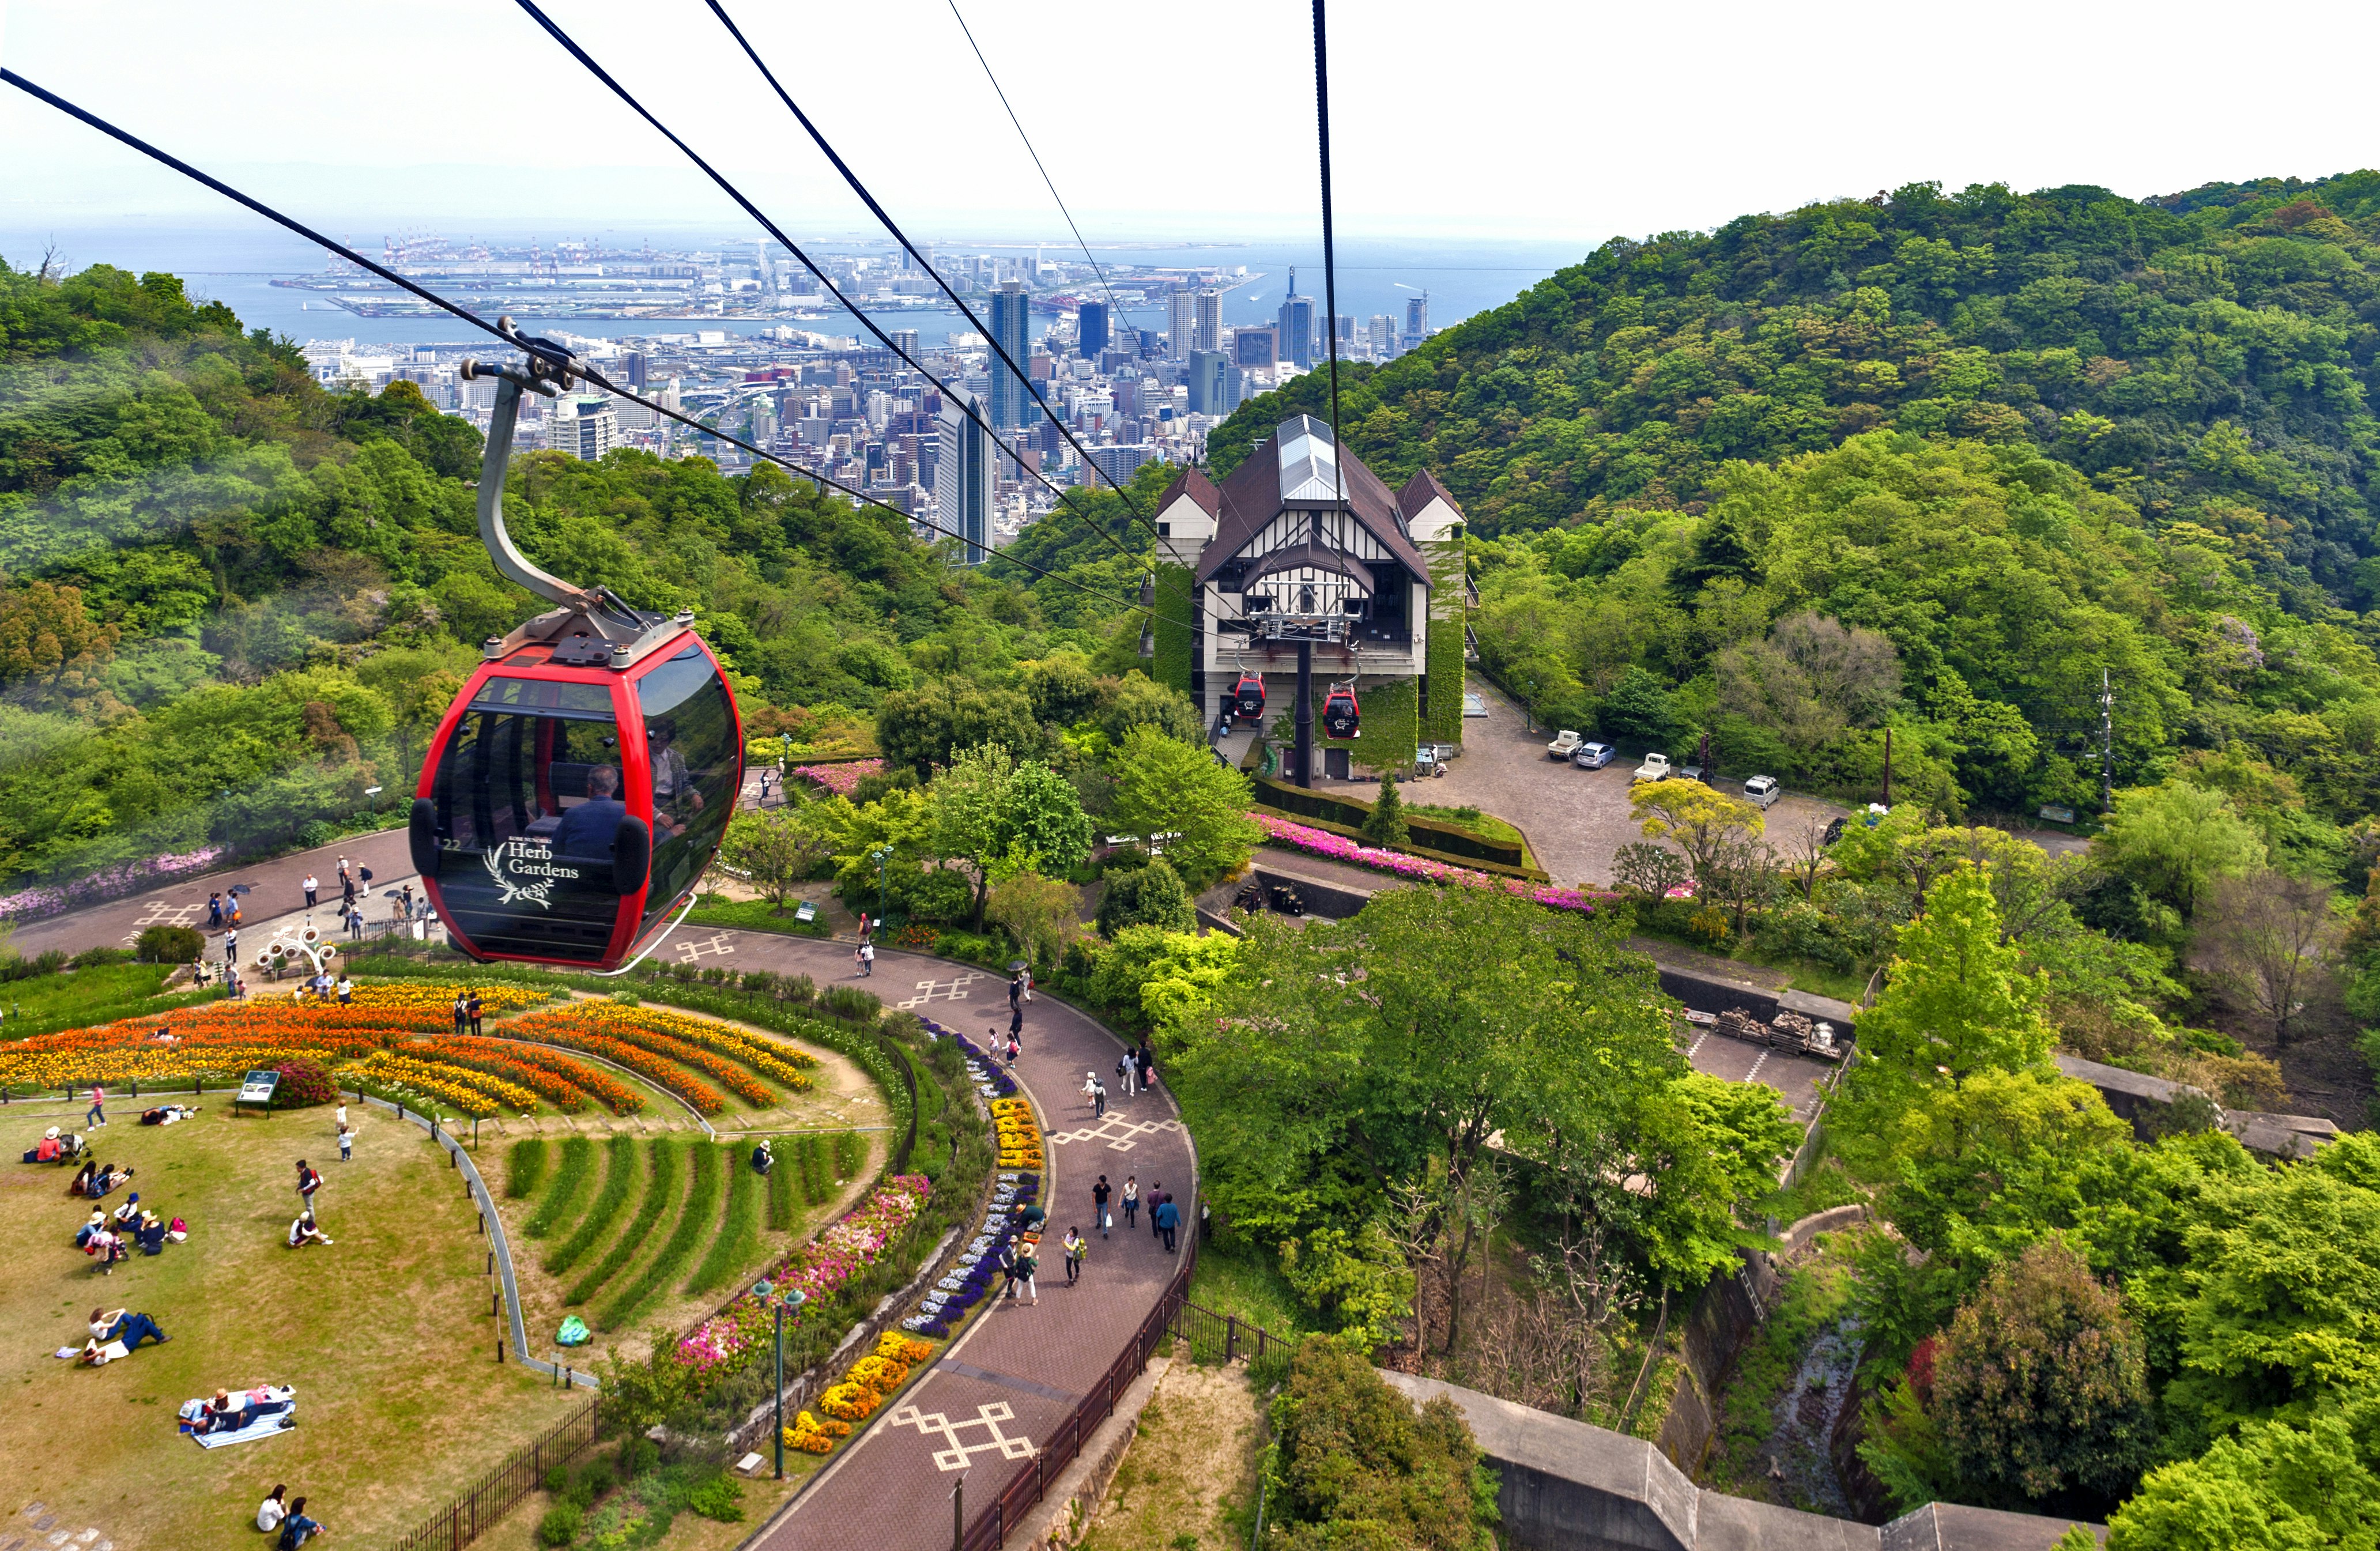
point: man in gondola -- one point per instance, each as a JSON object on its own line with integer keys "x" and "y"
{"x": 674, "y": 790}
{"x": 588, "y": 828}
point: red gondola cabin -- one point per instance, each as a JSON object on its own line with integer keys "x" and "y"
{"x": 567, "y": 805}
{"x": 1248, "y": 698}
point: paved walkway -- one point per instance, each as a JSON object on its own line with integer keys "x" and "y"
{"x": 1018, "y": 1370}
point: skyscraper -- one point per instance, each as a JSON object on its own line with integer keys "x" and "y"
{"x": 1206, "y": 382}
{"x": 1091, "y": 329}
{"x": 1012, "y": 398}
{"x": 1416, "y": 319}
{"x": 962, "y": 477}
{"x": 905, "y": 340}
{"x": 1181, "y": 323}
{"x": 1384, "y": 336}
{"x": 1296, "y": 332}
{"x": 1208, "y": 332}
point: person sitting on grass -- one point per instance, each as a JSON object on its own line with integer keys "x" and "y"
{"x": 130, "y": 1212}
{"x": 122, "y": 1325}
{"x": 303, "y": 1232}
{"x": 107, "y": 1248}
{"x": 273, "y": 1510}
{"x": 97, "y": 1224}
{"x": 298, "y": 1529}
{"x": 82, "y": 1181}
{"x": 150, "y": 1234}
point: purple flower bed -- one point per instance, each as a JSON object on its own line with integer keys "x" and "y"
{"x": 124, "y": 877}
{"x": 978, "y": 1274}
{"x": 1339, "y": 848}
{"x": 985, "y": 1070}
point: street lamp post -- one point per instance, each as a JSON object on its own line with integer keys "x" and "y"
{"x": 797, "y": 1298}
{"x": 882, "y": 856}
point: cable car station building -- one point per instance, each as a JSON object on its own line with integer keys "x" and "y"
{"x": 1304, "y": 556}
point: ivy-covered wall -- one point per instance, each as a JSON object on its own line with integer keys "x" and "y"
{"x": 1391, "y": 725}
{"x": 1176, "y": 608}
{"x": 1444, "y": 723}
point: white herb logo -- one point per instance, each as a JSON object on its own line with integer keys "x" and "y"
{"x": 535, "y": 893}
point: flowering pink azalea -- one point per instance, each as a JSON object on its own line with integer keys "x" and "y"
{"x": 1339, "y": 848}
{"x": 839, "y": 779}
{"x": 818, "y": 1269}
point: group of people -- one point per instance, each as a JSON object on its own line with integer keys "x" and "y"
{"x": 322, "y": 986}
{"x": 279, "y": 1512}
{"x": 109, "y": 1237}
{"x": 468, "y": 1011}
{"x": 98, "y": 1180}
{"x": 117, "y": 1334}
{"x": 1164, "y": 1215}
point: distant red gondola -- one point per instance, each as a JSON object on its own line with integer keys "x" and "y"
{"x": 1248, "y": 695}
{"x": 1343, "y": 717}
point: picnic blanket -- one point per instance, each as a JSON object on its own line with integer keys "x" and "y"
{"x": 280, "y": 1420}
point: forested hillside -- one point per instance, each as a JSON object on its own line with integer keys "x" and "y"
{"x": 233, "y": 602}
{"x": 2008, "y": 441}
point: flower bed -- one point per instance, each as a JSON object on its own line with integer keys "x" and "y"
{"x": 474, "y": 1092}
{"x": 1338, "y": 848}
{"x": 1020, "y": 1137}
{"x": 772, "y": 1061}
{"x": 991, "y": 1079}
{"x": 124, "y": 877}
{"x": 969, "y": 1281}
{"x": 839, "y": 779}
{"x": 556, "y": 1087}
{"x": 613, "y": 1028}
{"x": 866, "y": 1385}
{"x": 853, "y": 1243}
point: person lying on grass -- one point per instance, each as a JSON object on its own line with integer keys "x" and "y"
{"x": 168, "y": 1114}
{"x": 81, "y": 1185}
{"x": 229, "y": 1412}
{"x": 302, "y": 1231}
{"x": 121, "y": 1325}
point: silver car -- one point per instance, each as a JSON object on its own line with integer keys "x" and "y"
{"x": 1762, "y": 792}
{"x": 1592, "y": 756}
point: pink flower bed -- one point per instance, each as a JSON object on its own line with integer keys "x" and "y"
{"x": 819, "y": 1268}
{"x": 839, "y": 779}
{"x": 1339, "y": 848}
{"x": 108, "y": 882}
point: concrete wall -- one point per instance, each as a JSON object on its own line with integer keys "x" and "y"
{"x": 1566, "y": 1486}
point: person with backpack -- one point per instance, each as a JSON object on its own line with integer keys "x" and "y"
{"x": 1096, "y": 1094}
{"x": 310, "y": 1179}
{"x": 867, "y": 959}
{"x": 1156, "y": 1197}
{"x": 477, "y": 1009}
{"x": 462, "y": 1010}
{"x": 1028, "y": 1264}
{"x": 296, "y": 1529}
{"x": 1124, "y": 1071}
{"x": 1131, "y": 1199}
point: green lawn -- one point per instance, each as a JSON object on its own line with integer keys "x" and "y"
{"x": 1234, "y": 1278}
{"x": 81, "y": 998}
{"x": 386, "y": 1335}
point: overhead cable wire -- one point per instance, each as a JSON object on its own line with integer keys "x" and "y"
{"x": 576, "y": 367}
{"x": 961, "y": 400}
{"x": 1047, "y": 182}
{"x": 1330, "y": 270}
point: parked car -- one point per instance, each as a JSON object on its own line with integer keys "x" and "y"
{"x": 1564, "y": 742}
{"x": 1655, "y": 768}
{"x": 1691, "y": 772}
{"x": 1592, "y": 756}
{"x": 1762, "y": 792}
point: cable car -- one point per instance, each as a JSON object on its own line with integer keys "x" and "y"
{"x": 578, "y": 786}
{"x": 1343, "y": 717}
{"x": 1248, "y": 695}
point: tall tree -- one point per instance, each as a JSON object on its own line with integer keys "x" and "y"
{"x": 1166, "y": 786}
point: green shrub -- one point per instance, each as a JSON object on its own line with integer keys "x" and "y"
{"x": 818, "y": 1183}
{"x": 619, "y": 1178}
{"x": 784, "y": 1209}
{"x": 569, "y": 1182}
{"x": 597, "y": 1478}
{"x": 734, "y": 1244}
{"x": 1150, "y": 896}
{"x": 721, "y": 1497}
{"x": 580, "y": 1494}
{"x": 850, "y": 1156}
{"x": 169, "y": 945}
{"x": 638, "y": 1455}
{"x": 100, "y": 957}
{"x": 1362, "y": 1467}
{"x": 557, "y": 1479}
{"x": 850, "y": 1001}
{"x": 1802, "y": 930}
{"x": 560, "y": 1525}
{"x": 524, "y": 1169}
{"x": 1385, "y": 824}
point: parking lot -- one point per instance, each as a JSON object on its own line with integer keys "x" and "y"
{"x": 1576, "y": 820}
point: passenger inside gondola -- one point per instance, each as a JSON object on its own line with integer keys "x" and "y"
{"x": 590, "y": 828}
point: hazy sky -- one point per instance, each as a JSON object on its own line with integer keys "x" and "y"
{"x": 1482, "y": 119}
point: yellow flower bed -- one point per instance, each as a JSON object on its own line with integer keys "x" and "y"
{"x": 474, "y": 1092}
{"x": 431, "y": 994}
{"x": 867, "y": 1384}
{"x": 1020, "y": 1135}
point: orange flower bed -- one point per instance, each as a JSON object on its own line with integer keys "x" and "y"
{"x": 619, "y": 1026}
{"x": 549, "y": 1028}
{"x": 534, "y": 1067}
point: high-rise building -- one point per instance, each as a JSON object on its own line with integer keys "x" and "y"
{"x": 1253, "y": 347}
{"x": 1118, "y": 461}
{"x": 904, "y": 341}
{"x": 1012, "y": 399}
{"x": 1091, "y": 330}
{"x": 1207, "y": 333}
{"x": 1206, "y": 382}
{"x": 1181, "y": 323}
{"x": 633, "y": 364}
{"x": 1384, "y": 336}
{"x": 1416, "y": 321}
{"x": 1296, "y": 339}
{"x": 583, "y": 425}
{"x": 962, "y": 477}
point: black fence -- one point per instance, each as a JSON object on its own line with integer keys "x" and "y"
{"x": 476, "y": 1510}
{"x": 1216, "y": 1338}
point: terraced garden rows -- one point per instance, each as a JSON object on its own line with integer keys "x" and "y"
{"x": 625, "y": 1225}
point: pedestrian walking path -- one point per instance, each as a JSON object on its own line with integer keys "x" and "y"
{"x": 995, "y": 1393}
